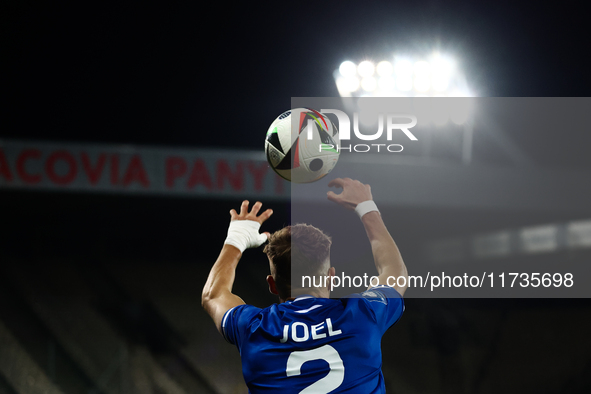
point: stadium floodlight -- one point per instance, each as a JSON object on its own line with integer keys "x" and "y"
{"x": 348, "y": 69}
{"x": 365, "y": 69}
{"x": 387, "y": 84}
{"x": 384, "y": 68}
{"x": 442, "y": 68}
{"x": 346, "y": 85}
{"x": 403, "y": 67}
{"x": 436, "y": 75}
{"x": 403, "y": 74}
{"x": 369, "y": 84}
{"x": 422, "y": 76}
{"x": 578, "y": 234}
{"x": 428, "y": 75}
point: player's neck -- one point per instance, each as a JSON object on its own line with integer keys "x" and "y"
{"x": 313, "y": 292}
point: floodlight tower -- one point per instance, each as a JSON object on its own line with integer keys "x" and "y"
{"x": 435, "y": 75}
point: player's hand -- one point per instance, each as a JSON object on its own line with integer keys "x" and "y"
{"x": 354, "y": 192}
{"x": 243, "y": 232}
{"x": 252, "y": 215}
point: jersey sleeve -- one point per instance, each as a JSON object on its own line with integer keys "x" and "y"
{"x": 386, "y": 304}
{"x": 236, "y": 321}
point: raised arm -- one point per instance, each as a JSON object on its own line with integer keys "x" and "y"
{"x": 217, "y": 297}
{"x": 387, "y": 257}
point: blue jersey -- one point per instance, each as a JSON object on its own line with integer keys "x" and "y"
{"x": 314, "y": 345}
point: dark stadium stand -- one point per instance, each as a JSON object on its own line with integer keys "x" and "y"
{"x": 176, "y": 295}
{"x": 19, "y": 373}
{"x": 93, "y": 353}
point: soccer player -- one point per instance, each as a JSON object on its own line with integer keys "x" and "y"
{"x": 308, "y": 343}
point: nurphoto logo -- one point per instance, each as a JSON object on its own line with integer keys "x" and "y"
{"x": 393, "y": 123}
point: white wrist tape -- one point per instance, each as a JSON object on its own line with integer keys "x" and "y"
{"x": 365, "y": 207}
{"x": 244, "y": 234}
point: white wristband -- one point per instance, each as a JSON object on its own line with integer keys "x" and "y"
{"x": 244, "y": 234}
{"x": 366, "y": 207}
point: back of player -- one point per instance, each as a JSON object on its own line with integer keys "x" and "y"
{"x": 308, "y": 343}
{"x": 314, "y": 345}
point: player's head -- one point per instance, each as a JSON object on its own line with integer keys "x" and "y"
{"x": 298, "y": 250}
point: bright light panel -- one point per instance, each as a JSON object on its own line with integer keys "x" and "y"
{"x": 369, "y": 84}
{"x": 434, "y": 75}
{"x": 385, "y": 68}
{"x": 387, "y": 84}
{"x": 539, "y": 239}
{"x": 348, "y": 69}
{"x": 403, "y": 68}
{"x": 578, "y": 234}
{"x": 422, "y": 68}
{"x": 365, "y": 69}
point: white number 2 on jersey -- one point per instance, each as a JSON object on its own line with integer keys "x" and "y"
{"x": 335, "y": 376}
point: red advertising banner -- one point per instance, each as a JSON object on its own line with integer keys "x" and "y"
{"x": 134, "y": 169}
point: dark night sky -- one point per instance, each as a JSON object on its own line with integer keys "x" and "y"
{"x": 212, "y": 74}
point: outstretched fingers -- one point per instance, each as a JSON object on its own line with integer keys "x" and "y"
{"x": 337, "y": 182}
{"x": 265, "y": 215}
{"x": 255, "y": 211}
{"x": 332, "y": 196}
{"x": 244, "y": 208}
{"x": 256, "y": 208}
{"x": 252, "y": 215}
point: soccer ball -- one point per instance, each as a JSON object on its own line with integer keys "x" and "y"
{"x": 295, "y": 157}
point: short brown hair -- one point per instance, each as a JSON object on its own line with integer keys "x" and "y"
{"x": 302, "y": 248}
